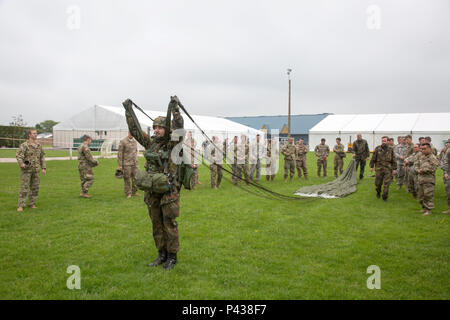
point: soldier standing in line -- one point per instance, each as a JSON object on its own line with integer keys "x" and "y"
{"x": 383, "y": 159}
{"x": 433, "y": 149}
{"x": 444, "y": 150}
{"x": 300, "y": 161}
{"x": 339, "y": 155}
{"x": 288, "y": 151}
{"x": 400, "y": 155}
{"x": 31, "y": 159}
{"x": 391, "y": 142}
{"x": 255, "y": 158}
{"x": 425, "y": 167}
{"x": 233, "y": 151}
{"x": 85, "y": 164}
{"x": 409, "y": 151}
{"x": 412, "y": 185}
{"x": 270, "y": 160}
{"x": 216, "y": 156}
{"x": 128, "y": 164}
{"x": 361, "y": 153}
{"x": 445, "y": 166}
{"x": 322, "y": 151}
{"x": 163, "y": 207}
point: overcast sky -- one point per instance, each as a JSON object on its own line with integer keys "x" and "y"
{"x": 224, "y": 58}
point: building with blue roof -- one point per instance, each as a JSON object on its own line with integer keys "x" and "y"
{"x": 300, "y": 124}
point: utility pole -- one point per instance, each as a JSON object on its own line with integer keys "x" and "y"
{"x": 289, "y": 103}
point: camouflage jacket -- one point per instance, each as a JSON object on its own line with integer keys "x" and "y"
{"x": 400, "y": 150}
{"x": 85, "y": 158}
{"x": 33, "y": 153}
{"x": 383, "y": 158}
{"x": 288, "y": 151}
{"x": 428, "y": 165}
{"x": 301, "y": 150}
{"x": 361, "y": 149}
{"x": 413, "y": 158}
{"x": 442, "y": 153}
{"x": 127, "y": 155}
{"x": 339, "y": 150}
{"x": 322, "y": 151}
{"x": 409, "y": 149}
{"x": 445, "y": 161}
{"x": 157, "y": 150}
{"x": 241, "y": 152}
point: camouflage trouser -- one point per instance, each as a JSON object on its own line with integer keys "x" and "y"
{"x": 216, "y": 175}
{"x": 362, "y": 163}
{"x": 237, "y": 170}
{"x": 270, "y": 171}
{"x": 29, "y": 186}
{"x": 321, "y": 164}
{"x": 301, "y": 165}
{"x": 163, "y": 211}
{"x": 87, "y": 179}
{"x": 255, "y": 167}
{"x": 400, "y": 173}
{"x": 383, "y": 178}
{"x": 289, "y": 168}
{"x": 447, "y": 190}
{"x": 412, "y": 181}
{"x": 129, "y": 175}
{"x": 194, "y": 178}
{"x": 426, "y": 195}
{"x": 338, "y": 165}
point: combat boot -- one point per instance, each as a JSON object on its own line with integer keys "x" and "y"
{"x": 85, "y": 195}
{"x": 385, "y": 197}
{"x": 162, "y": 257}
{"x": 446, "y": 211}
{"x": 19, "y": 209}
{"x": 427, "y": 213}
{"x": 171, "y": 261}
{"x": 378, "y": 194}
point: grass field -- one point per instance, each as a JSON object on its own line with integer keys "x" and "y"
{"x": 233, "y": 245}
{"x": 11, "y": 153}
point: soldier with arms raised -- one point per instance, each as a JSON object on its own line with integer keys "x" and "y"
{"x": 163, "y": 206}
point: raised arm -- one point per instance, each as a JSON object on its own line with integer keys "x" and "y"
{"x": 133, "y": 125}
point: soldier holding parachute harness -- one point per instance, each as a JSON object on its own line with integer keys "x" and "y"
{"x": 162, "y": 179}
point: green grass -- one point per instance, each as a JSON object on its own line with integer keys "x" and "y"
{"x": 233, "y": 245}
{"x": 10, "y": 153}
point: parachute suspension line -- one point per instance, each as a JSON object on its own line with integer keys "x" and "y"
{"x": 140, "y": 109}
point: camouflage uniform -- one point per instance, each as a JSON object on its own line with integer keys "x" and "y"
{"x": 240, "y": 162}
{"x": 339, "y": 155}
{"x": 383, "y": 159}
{"x": 256, "y": 155}
{"x": 301, "y": 150}
{"x": 362, "y": 153}
{"x": 164, "y": 208}
{"x": 288, "y": 151}
{"x": 412, "y": 184}
{"x": 409, "y": 152}
{"x": 445, "y": 162}
{"x": 426, "y": 179}
{"x": 322, "y": 151}
{"x": 127, "y": 159}
{"x": 270, "y": 163}
{"x": 215, "y": 167}
{"x": 30, "y": 175}
{"x": 401, "y": 151}
{"x": 193, "y": 153}
{"x": 85, "y": 164}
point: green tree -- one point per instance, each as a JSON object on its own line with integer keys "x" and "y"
{"x": 18, "y": 125}
{"x": 46, "y": 126}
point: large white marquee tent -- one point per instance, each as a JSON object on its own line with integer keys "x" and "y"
{"x": 109, "y": 123}
{"x": 374, "y": 126}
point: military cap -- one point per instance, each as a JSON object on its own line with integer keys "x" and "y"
{"x": 160, "y": 122}
{"x": 85, "y": 137}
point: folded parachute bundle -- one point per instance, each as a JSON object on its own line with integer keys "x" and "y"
{"x": 344, "y": 185}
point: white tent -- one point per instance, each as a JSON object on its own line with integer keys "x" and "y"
{"x": 374, "y": 126}
{"x": 104, "y": 122}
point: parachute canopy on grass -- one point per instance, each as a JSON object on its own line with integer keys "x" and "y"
{"x": 344, "y": 185}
